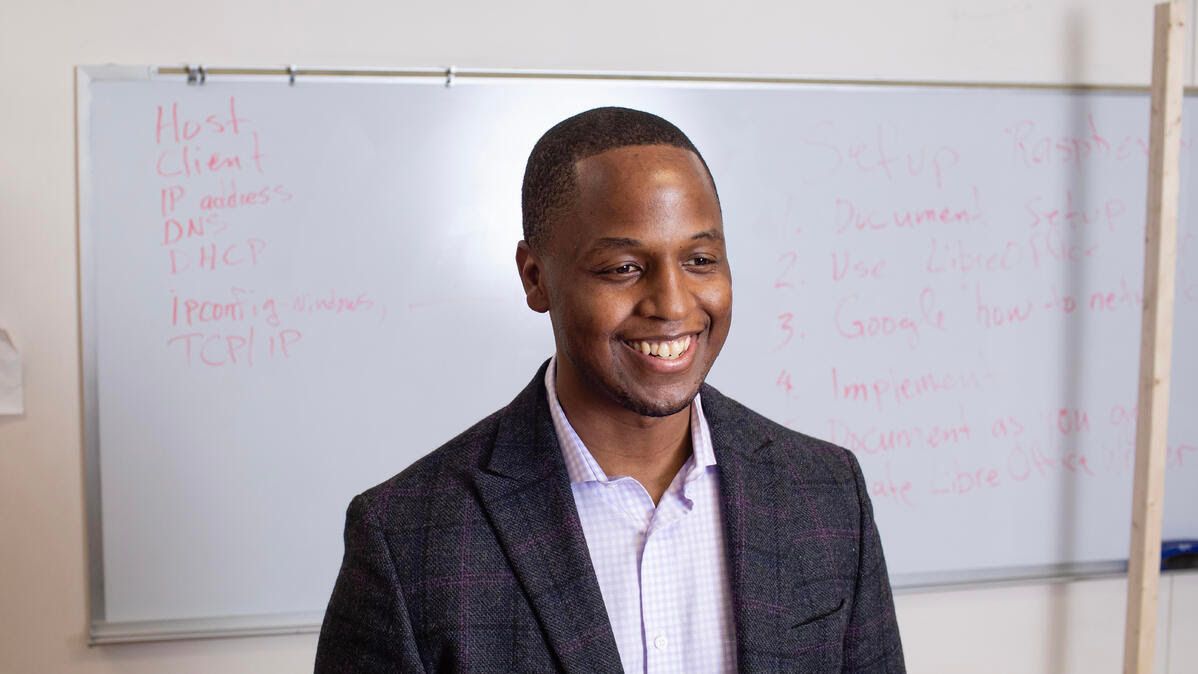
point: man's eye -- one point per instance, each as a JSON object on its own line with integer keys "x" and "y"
{"x": 624, "y": 269}
{"x": 701, "y": 261}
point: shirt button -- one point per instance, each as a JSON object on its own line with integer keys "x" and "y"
{"x": 660, "y": 642}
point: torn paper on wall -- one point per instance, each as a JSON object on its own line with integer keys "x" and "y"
{"x": 12, "y": 392}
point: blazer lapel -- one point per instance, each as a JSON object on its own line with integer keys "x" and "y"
{"x": 526, "y": 492}
{"x": 753, "y": 503}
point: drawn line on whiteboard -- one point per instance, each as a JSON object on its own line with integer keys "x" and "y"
{"x": 449, "y": 301}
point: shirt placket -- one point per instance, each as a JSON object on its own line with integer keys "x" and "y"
{"x": 660, "y": 583}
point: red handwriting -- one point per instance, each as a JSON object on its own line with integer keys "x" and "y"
{"x": 332, "y": 302}
{"x": 784, "y": 320}
{"x": 1175, "y": 455}
{"x": 957, "y": 256}
{"x": 187, "y": 311}
{"x": 1025, "y": 461}
{"x": 1054, "y": 245}
{"x": 1070, "y": 421}
{"x": 174, "y": 127}
{"x": 196, "y": 153}
{"x": 1007, "y": 427}
{"x": 858, "y": 326}
{"x": 1120, "y": 415}
{"x": 991, "y": 315}
{"x": 233, "y": 198}
{"x": 1032, "y": 148}
{"x": 1126, "y": 297}
{"x": 210, "y": 256}
{"x": 844, "y": 266}
{"x": 784, "y": 382}
{"x": 171, "y": 196}
{"x": 175, "y": 230}
{"x": 788, "y": 259}
{"x": 851, "y": 216}
{"x": 875, "y": 156}
{"x": 1109, "y": 213}
{"x": 219, "y": 350}
{"x": 1125, "y": 416}
{"x": 900, "y": 390}
{"x": 1178, "y": 456}
{"x": 959, "y": 481}
{"x": 853, "y": 324}
{"x": 875, "y": 440}
{"x": 1065, "y": 303}
{"x": 888, "y": 488}
{"x": 1044, "y": 246}
{"x": 192, "y": 160}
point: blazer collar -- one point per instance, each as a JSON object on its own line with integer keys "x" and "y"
{"x": 750, "y": 474}
{"x": 526, "y": 491}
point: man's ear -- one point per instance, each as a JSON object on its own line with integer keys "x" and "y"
{"x": 532, "y": 275}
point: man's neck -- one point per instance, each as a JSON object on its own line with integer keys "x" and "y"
{"x": 650, "y": 449}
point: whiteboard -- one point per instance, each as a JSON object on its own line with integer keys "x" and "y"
{"x": 291, "y": 292}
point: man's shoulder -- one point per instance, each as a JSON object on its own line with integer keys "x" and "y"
{"x": 811, "y": 456}
{"x": 441, "y": 483}
{"x": 444, "y": 473}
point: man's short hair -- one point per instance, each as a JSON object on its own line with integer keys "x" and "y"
{"x": 549, "y": 177}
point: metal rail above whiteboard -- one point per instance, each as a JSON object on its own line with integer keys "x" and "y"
{"x": 450, "y": 74}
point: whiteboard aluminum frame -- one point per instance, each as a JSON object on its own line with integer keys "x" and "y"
{"x": 87, "y": 344}
{"x": 101, "y": 631}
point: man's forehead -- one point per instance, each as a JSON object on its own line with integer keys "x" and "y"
{"x": 639, "y": 159}
{"x": 620, "y": 195}
{"x": 631, "y": 176}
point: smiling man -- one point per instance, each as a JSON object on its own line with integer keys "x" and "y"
{"x": 619, "y": 514}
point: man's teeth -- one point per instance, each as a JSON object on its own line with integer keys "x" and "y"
{"x": 667, "y": 350}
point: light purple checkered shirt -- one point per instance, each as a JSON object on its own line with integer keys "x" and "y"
{"x": 662, "y": 570}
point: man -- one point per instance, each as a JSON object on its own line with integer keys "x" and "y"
{"x": 619, "y": 514}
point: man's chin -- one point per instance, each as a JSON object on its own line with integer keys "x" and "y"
{"x": 663, "y": 406}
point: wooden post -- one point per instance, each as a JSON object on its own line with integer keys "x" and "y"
{"x": 1156, "y": 333}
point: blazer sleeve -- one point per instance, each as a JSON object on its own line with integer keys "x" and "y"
{"x": 871, "y": 642}
{"x": 366, "y": 626}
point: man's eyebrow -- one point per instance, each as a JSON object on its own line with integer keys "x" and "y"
{"x": 618, "y": 242}
{"x": 713, "y": 234}
{"x": 614, "y": 242}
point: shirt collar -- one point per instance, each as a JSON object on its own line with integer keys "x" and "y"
{"x": 581, "y": 466}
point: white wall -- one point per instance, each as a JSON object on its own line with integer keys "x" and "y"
{"x": 43, "y": 612}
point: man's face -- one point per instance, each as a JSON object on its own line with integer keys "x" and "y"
{"x": 636, "y": 280}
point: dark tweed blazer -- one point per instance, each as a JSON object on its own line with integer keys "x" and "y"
{"x": 473, "y": 559}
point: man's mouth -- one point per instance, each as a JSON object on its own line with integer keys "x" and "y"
{"x": 665, "y": 349}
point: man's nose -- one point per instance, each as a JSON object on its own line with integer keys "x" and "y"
{"x": 668, "y": 295}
